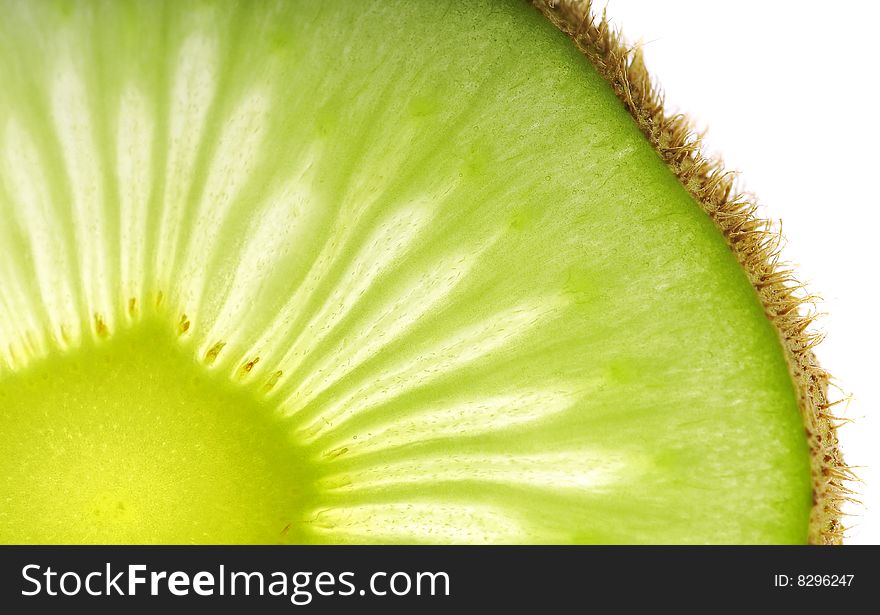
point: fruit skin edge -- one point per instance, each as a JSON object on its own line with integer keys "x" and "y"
{"x": 755, "y": 242}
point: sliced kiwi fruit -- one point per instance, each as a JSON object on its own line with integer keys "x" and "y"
{"x": 384, "y": 271}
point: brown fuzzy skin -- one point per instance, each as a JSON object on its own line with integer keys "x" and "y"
{"x": 753, "y": 240}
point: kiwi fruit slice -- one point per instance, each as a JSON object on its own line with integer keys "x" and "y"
{"x": 383, "y": 271}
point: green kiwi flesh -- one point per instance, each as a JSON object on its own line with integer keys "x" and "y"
{"x": 387, "y": 272}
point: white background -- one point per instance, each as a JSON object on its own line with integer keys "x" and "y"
{"x": 788, "y": 93}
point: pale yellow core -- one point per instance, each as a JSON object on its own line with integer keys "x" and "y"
{"x": 131, "y": 440}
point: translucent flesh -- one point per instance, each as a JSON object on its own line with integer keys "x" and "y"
{"x": 353, "y": 272}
